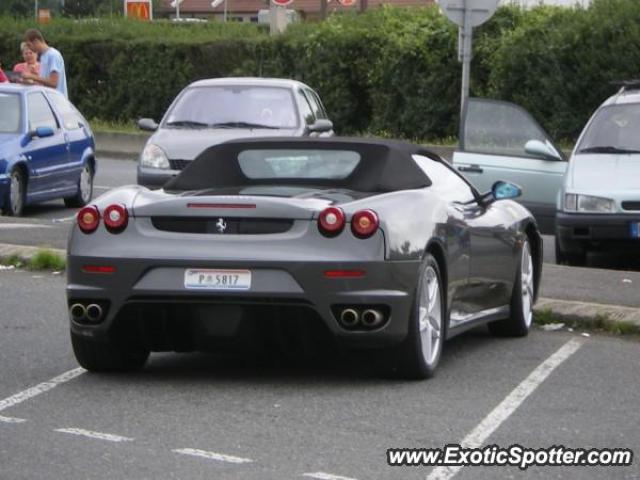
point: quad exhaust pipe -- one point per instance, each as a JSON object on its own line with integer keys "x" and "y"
{"x": 78, "y": 312}
{"x": 91, "y": 313}
{"x": 372, "y": 318}
{"x": 352, "y": 317}
{"x": 349, "y": 317}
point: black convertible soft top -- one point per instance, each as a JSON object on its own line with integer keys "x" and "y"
{"x": 385, "y": 165}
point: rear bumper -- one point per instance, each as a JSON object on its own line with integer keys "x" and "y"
{"x": 581, "y": 232}
{"x": 153, "y": 292}
{"x": 154, "y": 177}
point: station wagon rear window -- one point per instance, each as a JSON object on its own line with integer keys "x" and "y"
{"x": 293, "y": 163}
{"x": 11, "y": 115}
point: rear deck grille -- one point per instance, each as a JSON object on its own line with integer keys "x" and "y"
{"x": 214, "y": 225}
{"x": 631, "y": 205}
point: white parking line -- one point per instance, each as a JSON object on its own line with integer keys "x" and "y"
{"x": 509, "y": 405}
{"x": 11, "y": 420}
{"x": 97, "y": 435}
{"x": 212, "y": 455}
{"x": 326, "y": 476}
{"x": 40, "y": 388}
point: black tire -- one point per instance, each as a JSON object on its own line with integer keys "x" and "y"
{"x": 574, "y": 259}
{"x": 106, "y": 356}
{"x": 14, "y": 206}
{"x": 408, "y": 360}
{"x": 84, "y": 193}
{"x": 519, "y": 323}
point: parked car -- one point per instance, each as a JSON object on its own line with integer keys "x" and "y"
{"x": 47, "y": 150}
{"x": 599, "y": 202}
{"x": 213, "y": 111}
{"x": 502, "y": 141}
{"x": 369, "y": 243}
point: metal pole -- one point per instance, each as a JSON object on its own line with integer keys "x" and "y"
{"x": 36, "y": 7}
{"x": 466, "y": 37}
{"x": 225, "y": 11}
{"x": 178, "y": 9}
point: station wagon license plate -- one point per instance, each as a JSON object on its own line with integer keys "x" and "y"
{"x": 210, "y": 279}
{"x": 635, "y": 229}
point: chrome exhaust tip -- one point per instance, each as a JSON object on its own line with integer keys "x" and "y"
{"x": 372, "y": 318}
{"x": 94, "y": 312}
{"x": 78, "y": 312}
{"x": 349, "y": 317}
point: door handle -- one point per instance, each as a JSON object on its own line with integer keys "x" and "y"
{"x": 471, "y": 168}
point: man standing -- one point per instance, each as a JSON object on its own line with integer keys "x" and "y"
{"x": 52, "y": 73}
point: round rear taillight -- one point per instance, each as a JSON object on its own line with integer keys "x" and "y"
{"x": 331, "y": 221}
{"x": 364, "y": 223}
{"x": 115, "y": 218}
{"x": 88, "y": 219}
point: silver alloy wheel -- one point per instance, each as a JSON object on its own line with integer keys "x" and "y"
{"x": 526, "y": 284}
{"x": 85, "y": 184}
{"x": 15, "y": 192}
{"x": 430, "y": 316}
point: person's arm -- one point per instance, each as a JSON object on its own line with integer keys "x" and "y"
{"x": 52, "y": 81}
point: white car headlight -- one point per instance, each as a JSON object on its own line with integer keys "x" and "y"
{"x": 154, "y": 157}
{"x": 588, "y": 203}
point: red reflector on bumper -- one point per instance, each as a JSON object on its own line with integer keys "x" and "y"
{"x": 344, "y": 273}
{"x": 98, "y": 269}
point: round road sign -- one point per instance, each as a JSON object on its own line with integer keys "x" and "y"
{"x": 479, "y": 10}
{"x": 281, "y": 3}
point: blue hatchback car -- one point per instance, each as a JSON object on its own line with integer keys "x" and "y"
{"x": 47, "y": 149}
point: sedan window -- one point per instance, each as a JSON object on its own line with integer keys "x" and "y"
{"x": 499, "y": 128}
{"x": 40, "y": 114}
{"x": 446, "y": 181}
{"x": 614, "y": 129}
{"x": 71, "y": 118}
{"x": 233, "y": 107}
{"x": 10, "y": 119}
{"x": 305, "y": 108}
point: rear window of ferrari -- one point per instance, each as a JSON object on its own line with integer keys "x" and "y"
{"x": 298, "y": 163}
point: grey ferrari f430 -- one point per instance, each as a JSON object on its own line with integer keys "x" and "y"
{"x": 368, "y": 244}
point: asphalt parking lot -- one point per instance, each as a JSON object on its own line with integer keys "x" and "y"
{"x": 202, "y": 416}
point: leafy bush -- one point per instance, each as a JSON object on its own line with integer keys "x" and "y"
{"x": 390, "y": 71}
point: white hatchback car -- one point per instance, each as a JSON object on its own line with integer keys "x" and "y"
{"x": 599, "y": 201}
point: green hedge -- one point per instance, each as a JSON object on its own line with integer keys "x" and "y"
{"x": 390, "y": 71}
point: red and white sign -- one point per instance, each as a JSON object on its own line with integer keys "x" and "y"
{"x": 282, "y": 3}
{"x": 140, "y": 9}
{"x": 347, "y": 3}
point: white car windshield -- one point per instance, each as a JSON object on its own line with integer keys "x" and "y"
{"x": 10, "y": 108}
{"x": 614, "y": 129}
{"x": 234, "y": 107}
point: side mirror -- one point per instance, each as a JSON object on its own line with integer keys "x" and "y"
{"x": 42, "y": 132}
{"x": 505, "y": 190}
{"x": 542, "y": 150}
{"x": 321, "y": 125}
{"x": 147, "y": 124}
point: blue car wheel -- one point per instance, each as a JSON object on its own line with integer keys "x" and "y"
{"x": 85, "y": 188}
{"x": 14, "y": 202}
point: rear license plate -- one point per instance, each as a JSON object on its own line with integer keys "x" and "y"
{"x": 635, "y": 229}
{"x": 209, "y": 279}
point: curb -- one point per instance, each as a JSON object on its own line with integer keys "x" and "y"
{"x": 121, "y": 146}
{"x": 24, "y": 252}
{"x": 589, "y": 314}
